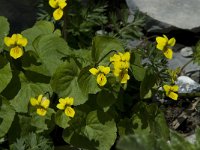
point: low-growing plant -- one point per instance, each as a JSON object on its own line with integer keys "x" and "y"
{"x": 94, "y": 95}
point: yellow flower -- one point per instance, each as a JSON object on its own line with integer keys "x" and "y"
{"x": 41, "y": 103}
{"x": 16, "y": 52}
{"x": 164, "y": 44}
{"x": 57, "y": 14}
{"x": 122, "y": 74}
{"x": 65, "y": 104}
{"x": 59, "y": 5}
{"x": 170, "y": 91}
{"x": 121, "y": 64}
{"x": 16, "y": 41}
{"x": 101, "y": 71}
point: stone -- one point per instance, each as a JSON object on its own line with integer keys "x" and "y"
{"x": 183, "y": 14}
{"x": 186, "y": 51}
{"x": 187, "y": 85}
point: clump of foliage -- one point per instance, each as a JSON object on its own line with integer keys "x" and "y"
{"x": 60, "y": 75}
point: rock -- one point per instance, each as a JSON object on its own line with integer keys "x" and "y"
{"x": 183, "y": 14}
{"x": 186, "y": 51}
{"x": 187, "y": 85}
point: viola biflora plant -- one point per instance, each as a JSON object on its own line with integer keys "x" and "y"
{"x": 88, "y": 97}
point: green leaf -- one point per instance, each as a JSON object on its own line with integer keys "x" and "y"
{"x": 125, "y": 127}
{"x": 28, "y": 89}
{"x": 148, "y": 118}
{"x": 136, "y": 67}
{"x": 102, "y": 45}
{"x": 40, "y": 28}
{"x": 104, "y": 134}
{"x": 159, "y": 126}
{"x": 5, "y": 73}
{"x": 105, "y": 99}
{"x": 41, "y": 122}
{"x": 178, "y": 142}
{"x": 4, "y": 30}
{"x": 65, "y": 82}
{"x": 87, "y": 82}
{"x": 147, "y": 84}
{"x": 61, "y": 119}
{"x": 51, "y": 49}
{"x": 137, "y": 142}
{"x": 7, "y": 114}
{"x": 138, "y": 72}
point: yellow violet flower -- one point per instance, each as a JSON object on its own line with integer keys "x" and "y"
{"x": 65, "y": 104}
{"x": 57, "y": 14}
{"x": 164, "y": 44}
{"x": 101, "y": 71}
{"x": 16, "y": 42}
{"x": 41, "y": 103}
{"x": 121, "y": 64}
{"x": 59, "y": 5}
{"x": 121, "y": 60}
{"x": 122, "y": 74}
{"x": 170, "y": 91}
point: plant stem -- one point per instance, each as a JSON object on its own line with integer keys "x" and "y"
{"x": 185, "y": 66}
{"x": 65, "y": 24}
{"x": 105, "y": 56}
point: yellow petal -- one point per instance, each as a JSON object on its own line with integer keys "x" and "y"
{"x": 40, "y": 98}
{"x": 161, "y": 41}
{"x": 53, "y": 3}
{"x": 126, "y": 56}
{"x": 166, "y": 88}
{"x": 168, "y": 53}
{"x": 41, "y": 111}
{"x": 160, "y": 46}
{"x": 115, "y": 58}
{"x": 62, "y": 3}
{"x": 69, "y": 101}
{"x": 69, "y": 112}
{"x": 172, "y": 42}
{"x": 125, "y": 78}
{"x": 22, "y": 41}
{"x": 57, "y": 14}
{"x": 34, "y": 102}
{"x": 175, "y": 88}
{"x": 8, "y": 41}
{"x": 60, "y": 106}
{"x": 16, "y": 52}
{"x": 104, "y": 70}
{"x": 118, "y": 65}
{"x": 116, "y": 72}
{"x": 62, "y": 101}
{"x": 14, "y": 37}
{"x": 101, "y": 79}
{"x": 94, "y": 71}
{"x": 45, "y": 102}
{"x": 173, "y": 95}
{"x": 166, "y": 38}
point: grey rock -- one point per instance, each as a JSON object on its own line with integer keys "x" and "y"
{"x": 186, "y": 51}
{"x": 182, "y": 14}
{"x": 187, "y": 85}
